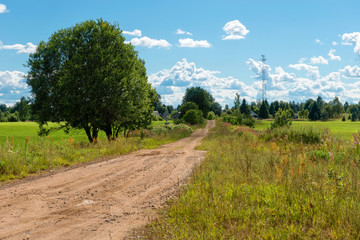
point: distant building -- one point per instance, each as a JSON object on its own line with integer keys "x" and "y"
{"x": 253, "y": 114}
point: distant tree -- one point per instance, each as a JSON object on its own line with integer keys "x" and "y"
{"x": 353, "y": 117}
{"x": 186, "y": 107}
{"x": 89, "y": 77}
{"x": 263, "y": 112}
{"x": 346, "y": 106}
{"x": 320, "y": 102}
{"x": 308, "y": 104}
{"x": 314, "y": 113}
{"x": 193, "y": 116}
{"x": 324, "y": 115}
{"x": 226, "y": 107}
{"x": 200, "y": 97}
{"x": 272, "y": 109}
{"x": 244, "y": 108}
{"x": 216, "y": 108}
{"x": 24, "y": 110}
{"x": 237, "y": 101}
{"x": 337, "y": 107}
{"x": 282, "y": 118}
{"x": 304, "y": 114}
{"x": 3, "y": 108}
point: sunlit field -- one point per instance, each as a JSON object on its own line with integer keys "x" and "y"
{"x": 337, "y": 127}
{"x": 302, "y": 185}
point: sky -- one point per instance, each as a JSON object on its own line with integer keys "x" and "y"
{"x": 312, "y": 47}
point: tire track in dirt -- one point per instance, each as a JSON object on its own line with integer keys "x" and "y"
{"x": 104, "y": 200}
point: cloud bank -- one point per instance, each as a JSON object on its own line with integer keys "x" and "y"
{"x": 281, "y": 84}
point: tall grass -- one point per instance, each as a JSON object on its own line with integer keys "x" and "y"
{"x": 39, "y": 154}
{"x": 251, "y": 188}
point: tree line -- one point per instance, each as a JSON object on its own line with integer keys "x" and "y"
{"x": 317, "y": 109}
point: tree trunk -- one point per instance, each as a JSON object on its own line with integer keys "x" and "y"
{"x": 88, "y": 133}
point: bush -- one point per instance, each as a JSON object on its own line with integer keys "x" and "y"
{"x": 249, "y": 121}
{"x": 282, "y": 118}
{"x": 211, "y": 115}
{"x": 186, "y": 107}
{"x": 13, "y": 118}
{"x": 343, "y": 119}
{"x": 193, "y": 117}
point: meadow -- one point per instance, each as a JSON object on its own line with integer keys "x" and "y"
{"x": 337, "y": 127}
{"x": 260, "y": 186}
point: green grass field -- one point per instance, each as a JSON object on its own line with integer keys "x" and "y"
{"x": 251, "y": 186}
{"x": 337, "y": 127}
{"x": 19, "y": 131}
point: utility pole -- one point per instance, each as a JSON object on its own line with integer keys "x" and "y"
{"x": 263, "y": 59}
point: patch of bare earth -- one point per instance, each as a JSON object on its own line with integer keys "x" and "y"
{"x": 104, "y": 200}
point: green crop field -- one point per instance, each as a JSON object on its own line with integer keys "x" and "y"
{"x": 19, "y": 131}
{"x": 337, "y": 127}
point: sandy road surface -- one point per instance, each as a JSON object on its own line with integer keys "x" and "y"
{"x": 104, "y": 200}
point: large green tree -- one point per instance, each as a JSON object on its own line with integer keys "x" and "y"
{"x": 202, "y": 98}
{"x": 87, "y": 76}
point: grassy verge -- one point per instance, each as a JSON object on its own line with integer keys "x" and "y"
{"x": 254, "y": 187}
{"x": 37, "y": 154}
{"x": 338, "y": 128}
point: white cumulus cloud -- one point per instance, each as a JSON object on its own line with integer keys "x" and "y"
{"x": 332, "y": 56}
{"x": 149, "y": 42}
{"x": 191, "y": 43}
{"x": 318, "y": 60}
{"x": 28, "y": 48}
{"x": 12, "y": 79}
{"x": 171, "y": 83}
{"x": 334, "y": 43}
{"x": 136, "y": 33}
{"x": 235, "y": 30}
{"x": 350, "y": 72}
{"x": 3, "y": 8}
{"x": 352, "y": 39}
{"x": 313, "y": 71}
{"x": 182, "y": 32}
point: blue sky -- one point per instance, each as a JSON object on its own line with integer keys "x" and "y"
{"x": 312, "y": 47}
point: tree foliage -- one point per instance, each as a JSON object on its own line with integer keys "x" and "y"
{"x": 87, "y": 76}
{"x": 263, "y": 112}
{"x": 186, "y": 107}
{"x": 282, "y": 118}
{"x": 200, "y": 97}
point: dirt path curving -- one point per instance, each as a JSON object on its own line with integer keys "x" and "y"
{"x": 104, "y": 200}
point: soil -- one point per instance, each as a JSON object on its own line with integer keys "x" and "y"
{"x": 103, "y": 200}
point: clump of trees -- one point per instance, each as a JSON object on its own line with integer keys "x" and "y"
{"x": 197, "y": 105}
{"x": 20, "y": 111}
{"x": 87, "y": 77}
{"x": 240, "y": 114}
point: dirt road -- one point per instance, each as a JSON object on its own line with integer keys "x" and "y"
{"x": 104, "y": 200}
